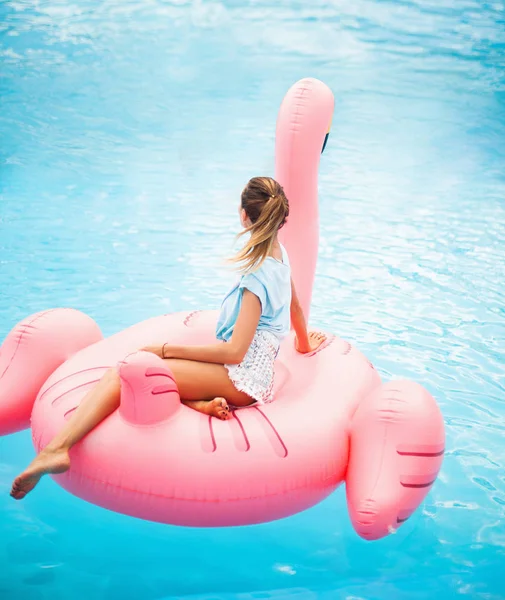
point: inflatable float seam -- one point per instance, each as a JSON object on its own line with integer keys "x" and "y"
{"x": 304, "y": 87}
{"x": 53, "y": 403}
{"x": 274, "y": 429}
{"x": 125, "y": 382}
{"x": 23, "y": 332}
{"x": 419, "y": 485}
{"x": 143, "y": 425}
{"x": 279, "y": 447}
{"x": 293, "y": 122}
{"x": 242, "y": 429}
{"x": 321, "y": 482}
{"x": 300, "y": 105}
{"x": 156, "y": 372}
{"x": 421, "y": 454}
{"x": 69, "y": 412}
{"x": 190, "y": 316}
{"x": 161, "y": 389}
{"x": 422, "y": 450}
{"x": 212, "y": 435}
{"x": 368, "y": 498}
{"x": 68, "y": 377}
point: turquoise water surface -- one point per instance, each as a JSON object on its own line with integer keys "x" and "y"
{"x": 127, "y": 131}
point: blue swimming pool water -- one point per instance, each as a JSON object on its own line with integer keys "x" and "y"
{"x": 128, "y": 129}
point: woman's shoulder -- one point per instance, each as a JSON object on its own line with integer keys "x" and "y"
{"x": 272, "y": 271}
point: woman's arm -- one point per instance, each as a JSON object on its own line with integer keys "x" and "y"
{"x": 298, "y": 322}
{"x": 304, "y": 341}
{"x": 230, "y": 353}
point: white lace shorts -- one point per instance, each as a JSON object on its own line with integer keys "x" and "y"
{"x": 255, "y": 374}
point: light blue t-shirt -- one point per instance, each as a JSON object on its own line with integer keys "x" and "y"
{"x": 271, "y": 283}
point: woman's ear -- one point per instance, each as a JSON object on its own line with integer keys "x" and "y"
{"x": 244, "y": 219}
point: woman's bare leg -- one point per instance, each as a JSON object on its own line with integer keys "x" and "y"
{"x": 205, "y": 387}
{"x": 97, "y": 404}
{"x": 205, "y": 381}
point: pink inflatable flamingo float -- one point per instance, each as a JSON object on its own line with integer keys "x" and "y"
{"x": 332, "y": 420}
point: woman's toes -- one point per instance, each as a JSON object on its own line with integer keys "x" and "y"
{"x": 223, "y": 406}
{"x": 219, "y": 408}
{"x": 223, "y": 413}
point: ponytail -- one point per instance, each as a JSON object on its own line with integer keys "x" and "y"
{"x": 267, "y": 207}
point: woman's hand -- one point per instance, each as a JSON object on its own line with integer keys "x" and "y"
{"x": 314, "y": 340}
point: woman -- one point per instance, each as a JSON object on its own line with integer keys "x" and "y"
{"x": 255, "y": 316}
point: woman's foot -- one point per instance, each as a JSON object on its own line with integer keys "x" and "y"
{"x": 215, "y": 408}
{"x": 48, "y": 461}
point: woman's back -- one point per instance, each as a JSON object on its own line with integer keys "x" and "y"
{"x": 271, "y": 283}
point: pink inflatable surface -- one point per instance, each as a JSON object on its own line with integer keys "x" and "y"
{"x": 333, "y": 420}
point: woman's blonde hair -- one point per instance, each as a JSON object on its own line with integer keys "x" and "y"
{"x": 267, "y": 207}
